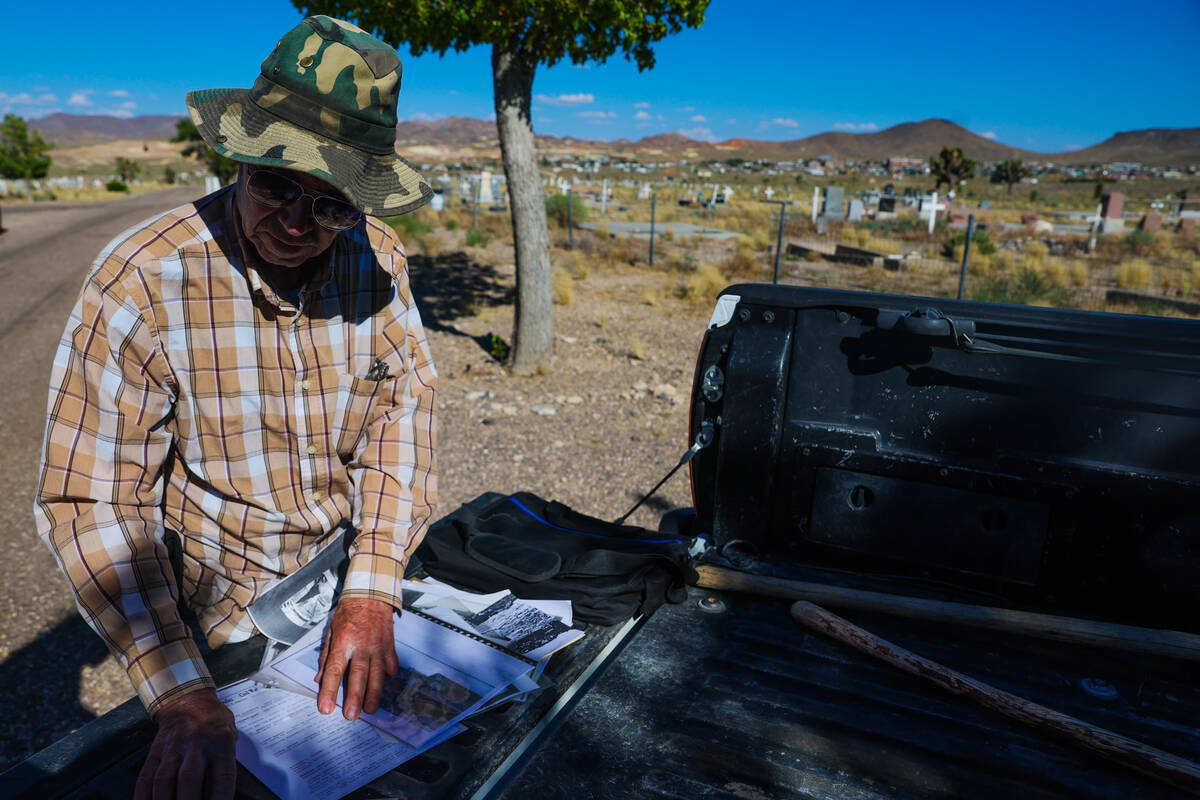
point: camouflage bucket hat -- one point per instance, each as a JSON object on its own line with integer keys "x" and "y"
{"x": 325, "y": 104}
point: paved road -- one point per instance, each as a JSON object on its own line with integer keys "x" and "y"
{"x": 641, "y": 230}
{"x": 47, "y": 659}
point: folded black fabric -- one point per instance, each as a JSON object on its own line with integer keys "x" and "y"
{"x": 542, "y": 549}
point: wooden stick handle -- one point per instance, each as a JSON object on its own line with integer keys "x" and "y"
{"x": 1163, "y": 766}
{"x": 1149, "y": 641}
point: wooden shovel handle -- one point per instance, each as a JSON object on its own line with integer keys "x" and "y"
{"x": 1163, "y": 766}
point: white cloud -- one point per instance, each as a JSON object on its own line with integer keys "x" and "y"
{"x": 661, "y": 118}
{"x": 701, "y": 134}
{"x": 699, "y": 118}
{"x": 128, "y": 106}
{"x": 122, "y": 113}
{"x": 785, "y": 122}
{"x": 119, "y": 93}
{"x": 26, "y": 99}
{"x": 851, "y": 126}
{"x": 989, "y": 135}
{"x": 581, "y": 99}
{"x": 1074, "y": 147}
{"x": 641, "y": 105}
{"x": 596, "y": 114}
{"x": 642, "y": 115}
{"x": 687, "y": 109}
{"x": 731, "y": 121}
{"x": 80, "y": 98}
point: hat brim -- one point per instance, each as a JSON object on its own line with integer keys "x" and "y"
{"x": 236, "y": 127}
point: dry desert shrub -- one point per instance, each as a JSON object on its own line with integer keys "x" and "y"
{"x": 1135, "y": 273}
{"x": 1056, "y": 272}
{"x": 1035, "y": 253}
{"x": 563, "y": 285}
{"x": 743, "y": 261}
{"x": 1080, "y": 274}
{"x": 1005, "y": 261}
{"x": 979, "y": 265}
{"x": 703, "y": 285}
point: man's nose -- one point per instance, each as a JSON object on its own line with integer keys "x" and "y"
{"x": 296, "y": 217}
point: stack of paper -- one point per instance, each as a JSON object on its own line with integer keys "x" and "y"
{"x": 459, "y": 655}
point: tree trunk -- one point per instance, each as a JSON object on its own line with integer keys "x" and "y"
{"x": 533, "y": 328}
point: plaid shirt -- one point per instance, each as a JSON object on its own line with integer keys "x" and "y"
{"x": 186, "y": 394}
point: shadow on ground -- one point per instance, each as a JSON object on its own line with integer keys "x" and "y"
{"x": 450, "y": 286}
{"x": 39, "y": 689}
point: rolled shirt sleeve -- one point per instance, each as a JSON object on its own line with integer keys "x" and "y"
{"x": 100, "y": 487}
{"x": 394, "y": 469}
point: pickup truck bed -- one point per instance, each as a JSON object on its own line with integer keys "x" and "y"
{"x": 741, "y": 702}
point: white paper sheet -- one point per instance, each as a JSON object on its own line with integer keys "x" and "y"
{"x": 301, "y": 754}
{"x": 444, "y": 677}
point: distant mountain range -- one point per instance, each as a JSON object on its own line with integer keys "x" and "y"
{"x": 464, "y": 137}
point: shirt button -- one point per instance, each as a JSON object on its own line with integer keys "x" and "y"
{"x": 306, "y": 385}
{"x": 316, "y": 496}
{"x": 312, "y": 449}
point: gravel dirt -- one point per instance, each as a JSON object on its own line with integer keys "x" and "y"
{"x": 606, "y": 422}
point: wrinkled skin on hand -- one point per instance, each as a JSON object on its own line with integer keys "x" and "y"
{"x": 192, "y": 755}
{"x": 358, "y": 655}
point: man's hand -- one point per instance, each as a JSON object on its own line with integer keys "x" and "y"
{"x": 359, "y": 649}
{"x": 193, "y": 752}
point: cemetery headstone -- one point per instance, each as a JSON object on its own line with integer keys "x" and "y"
{"x": 1112, "y": 205}
{"x": 1151, "y": 222}
{"x": 887, "y": 205}
{"x": 1186, "y": 225}
{"x": 985, "y": 204}
{"x": 833, "y": 201}
{"x": 485, "y": 188}
{"x": 855, "y": 211}
{"x": 889, "y": 189}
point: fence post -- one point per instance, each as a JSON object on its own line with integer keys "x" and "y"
{"x": 570, "y": 224}
{"x": 779, "y": 239}
{"x": 962, "y": 275}
{"x": 653, "y": 203}
{"x": 475, "y": 205}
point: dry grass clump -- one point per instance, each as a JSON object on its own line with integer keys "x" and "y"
{"x": 1056, "y": 272}
{"x": 1080, "y": 273}
{"x": 1135, "y": 273}
{"x": 1034, "y": 253}
{"x": 703, "y": 285}
{"x": 563, "y": 285}
{"x": 743, "y": 262}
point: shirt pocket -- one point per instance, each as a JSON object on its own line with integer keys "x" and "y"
{"x": 357, "y": 404}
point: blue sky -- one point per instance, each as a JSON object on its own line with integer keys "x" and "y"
{"x": 1044, "y": 76}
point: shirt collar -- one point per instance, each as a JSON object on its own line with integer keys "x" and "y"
{"x": 255, "y": 266}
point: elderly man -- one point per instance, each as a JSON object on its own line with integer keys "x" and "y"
{"x": 244, "y": 383}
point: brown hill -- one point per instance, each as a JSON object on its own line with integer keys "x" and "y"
{"x": 1155, "y": 146}
{"x": 71, "y": 130}
{"x": 464, "y": 137}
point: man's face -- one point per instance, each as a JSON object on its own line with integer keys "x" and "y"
{"x": 285, "y": 236}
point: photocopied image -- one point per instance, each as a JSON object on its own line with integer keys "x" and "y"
{"x": 443, "y": 677}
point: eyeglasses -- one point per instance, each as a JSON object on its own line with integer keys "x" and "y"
{"x": 275, "y": 190}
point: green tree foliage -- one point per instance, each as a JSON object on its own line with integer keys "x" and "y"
{"x": 556, "y": 209}
{"x": 523, "y": 34}
{"x": 224, "y": 168}
{"x": 127, "y": 169}
{"x": 21, "y": 150}
{"x": 951, "y": 167}
{"x": 1010, "y": 171}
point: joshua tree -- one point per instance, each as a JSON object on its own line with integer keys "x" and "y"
{"x": 1009, "y": 172}
{"x": 951, "y": 167}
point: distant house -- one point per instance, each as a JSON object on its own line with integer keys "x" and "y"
{"x": 904, "y": 164}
